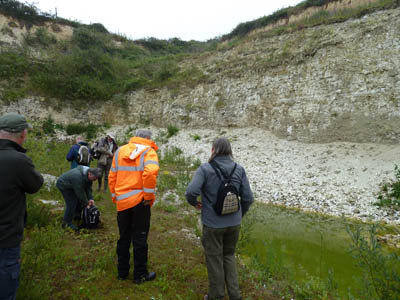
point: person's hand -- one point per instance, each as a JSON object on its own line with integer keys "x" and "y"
{"x": 90, "y": 203}
{"x": 199, "y": 206}
{"x": 146, "y": 202}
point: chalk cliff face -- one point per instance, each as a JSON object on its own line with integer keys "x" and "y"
{"x": 338, "y": 82}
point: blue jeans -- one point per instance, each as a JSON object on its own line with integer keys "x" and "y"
{"x": 9, "y": 272}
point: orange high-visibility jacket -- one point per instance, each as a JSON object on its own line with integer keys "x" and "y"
{"x": 133, "y": 175}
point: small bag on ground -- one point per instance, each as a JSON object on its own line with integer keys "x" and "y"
{"x": 228, "y": 200}
{"x": 91, "y": 217}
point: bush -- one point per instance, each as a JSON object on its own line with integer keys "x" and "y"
{"x": 172, "y": 130}
{"x": 82, "y": 74}
{"x": 90, "y": 129}
{"x": 48, "y": 126}
{"x": 381, "y": 269}
{"x": 389, "y": 195}
{"x": 86, "y": 38}
{"x": 41, "y": 37}
{"x": 13, "y": 64}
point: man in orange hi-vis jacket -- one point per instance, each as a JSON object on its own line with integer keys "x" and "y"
{"x": 132, "y": 181}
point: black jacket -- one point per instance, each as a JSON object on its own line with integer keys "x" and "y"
{"x": 17, "y": 177}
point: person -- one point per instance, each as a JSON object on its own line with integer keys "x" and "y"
{"x": 74, "y": 150}
{"x": 76, "y": 187}
{"x": 107, "y": 147}
{"x": 220, "y": 233}
{"x": 17, "y": 177}
{"x": 132, "y": 181}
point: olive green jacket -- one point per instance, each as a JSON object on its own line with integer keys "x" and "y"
{"x": 77, "y": 180}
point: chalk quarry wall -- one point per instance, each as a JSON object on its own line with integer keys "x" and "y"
{"x": 338, "y": 82}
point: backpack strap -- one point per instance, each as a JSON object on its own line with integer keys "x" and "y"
{"x": 215, "y": 166}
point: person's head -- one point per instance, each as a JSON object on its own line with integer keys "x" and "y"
{"x": 79, "y": 139}
{"x": 94, "y": 173}
{"x": 144, "y": 133}
{"x": 220, "y": 146}
{"x": 110, "y": 137}
{"x": 14, "y": 127}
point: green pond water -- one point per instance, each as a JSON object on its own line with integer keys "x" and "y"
{"x": 303, "y": 244}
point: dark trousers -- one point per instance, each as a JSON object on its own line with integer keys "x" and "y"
{"x": 133, "y": 225}
{"x": 105, "y": 170}
{"x": 9, "y": 272}
{"x": 72, "y": 205}
{"x": 219, "y": 249}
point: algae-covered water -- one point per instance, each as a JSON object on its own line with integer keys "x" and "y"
{"x": 303, "y": 245}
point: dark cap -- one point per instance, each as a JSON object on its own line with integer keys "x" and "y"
{"x": 13, "y": 122}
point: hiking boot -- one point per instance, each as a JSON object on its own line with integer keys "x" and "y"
{"x": 148, "y": 277}
{"x": 70, "y": 226}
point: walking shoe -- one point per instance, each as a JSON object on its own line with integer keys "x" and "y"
{"x": 122, "y": 277}
{"x": 70, "y": 226}
{"x": 148, "y": 277}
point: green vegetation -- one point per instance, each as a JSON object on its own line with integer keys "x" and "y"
{"x": 319, "y": 18}
{"x": 381, "y": 268}
{"x": 172, "y": 130}
{"x": 95, "y": 65}
{"x": 90, "y": 130}
{"x": 60, "y": 264}
{"x": 389, "y": 195}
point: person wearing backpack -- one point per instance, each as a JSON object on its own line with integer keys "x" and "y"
{"x": 221, "y": 179}
{"x": 76, "y": 187}
{"x": 79, "y": 153}
{"x": 106, "y": 148}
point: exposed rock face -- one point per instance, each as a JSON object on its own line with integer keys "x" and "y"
{"x": 338, "y": 82}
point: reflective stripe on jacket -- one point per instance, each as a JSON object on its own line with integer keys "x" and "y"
{"x": 133, "y": 174}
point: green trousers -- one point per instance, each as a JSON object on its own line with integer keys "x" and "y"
{"x": 219, "y": 249}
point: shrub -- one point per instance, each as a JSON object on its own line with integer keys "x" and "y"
{"x": 40, "y": 37}
{"x": 13, "y": 64}
{"x": 389, "y": 195}
{"x": 82, "y": 74}
{"x": 381, "y": 269}
{"x": 172, "y": 130}
{"x": 90, "y": 129}
{"x": 48, "y": 126}
{"x": 91, "y": 38}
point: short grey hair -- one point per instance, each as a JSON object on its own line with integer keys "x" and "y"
{"x": 9, "y": 135}
{"x": 144, "y": 133}
{"x": 96, "y": 172}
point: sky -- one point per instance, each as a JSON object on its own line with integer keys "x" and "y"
{"x": 163, "y": 19}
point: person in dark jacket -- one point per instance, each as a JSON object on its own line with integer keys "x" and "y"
{"x": 106, "y": 147}
{"x": 17, "y": 177}
{"x": 74, "y": 150}
{"x": 220, "y": 233}
{"x": 76, "y": 187}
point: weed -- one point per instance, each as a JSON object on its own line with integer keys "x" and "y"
{"x": 89, "y": 129}
{"x": 48, "y": 126}
{"x": 381, "y": 270}
{"x": 389, "y": 195}
{"x": 172, "y": 130}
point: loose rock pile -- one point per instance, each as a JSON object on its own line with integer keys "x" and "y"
{"x": 340, "y": 178}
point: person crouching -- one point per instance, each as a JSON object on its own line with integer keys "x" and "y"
{"x": 76, "y": 187}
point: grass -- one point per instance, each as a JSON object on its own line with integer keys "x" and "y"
{"x": 60, "y": 264}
